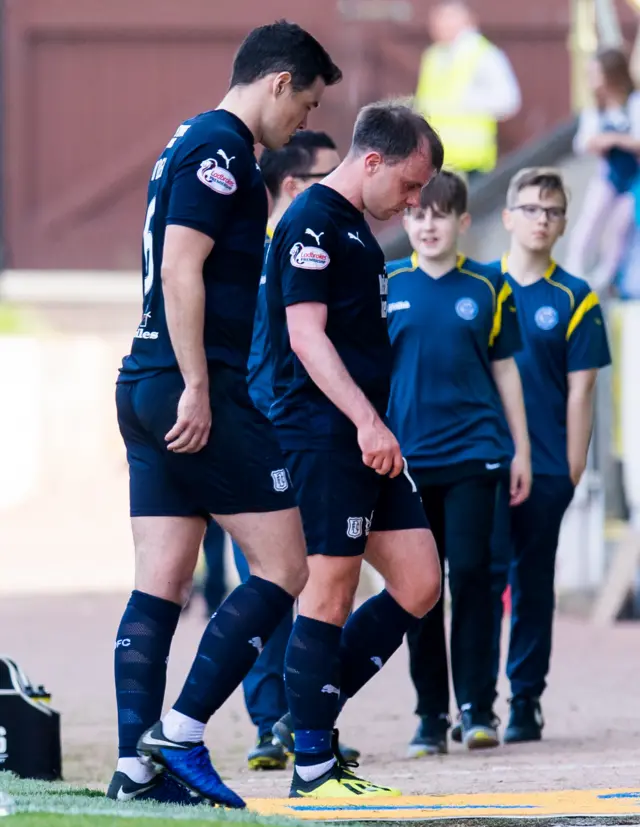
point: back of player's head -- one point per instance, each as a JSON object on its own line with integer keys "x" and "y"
{"x": 546, "y": 180}
{"x": 283, "y": 47}
{"x": 395, "y": 131}
{"x": 445, "y": 193}
{"x": 295, "y": 158}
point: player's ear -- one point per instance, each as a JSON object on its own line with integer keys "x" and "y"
{"x": 372, "y": 162}
{"x": 289, "y": 187}
{"x": 464, "y": 222}
{"x": 507, "y": 219}
{"x": 281, "y": 82}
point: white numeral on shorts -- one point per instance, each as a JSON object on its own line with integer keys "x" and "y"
{"x": 3, "y": 741}
{"x": 405, "y": 471}
{"x": 147, "y": 247}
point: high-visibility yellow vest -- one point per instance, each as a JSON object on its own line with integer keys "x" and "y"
{"x": 470, "y": 140}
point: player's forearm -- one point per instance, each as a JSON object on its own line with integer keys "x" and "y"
{"x": 184, "y": 299}
{"x": 579, "y": 427}
{"x": 507, "y": 379}
{"x": 325, "y": 367}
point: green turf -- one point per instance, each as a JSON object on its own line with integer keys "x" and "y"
{"x": 74, "y": 820}
{"x": 44, "y": 804}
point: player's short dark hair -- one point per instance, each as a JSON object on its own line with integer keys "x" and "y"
{"x": 295, "y": 158}
{"x": 546, "y": 179}
{"x": 446, "y": 193}
{"x": 395, "y": 131}
{"x": 283, "y": 47}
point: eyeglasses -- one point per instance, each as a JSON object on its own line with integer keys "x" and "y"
{"x": 534, "y": 211}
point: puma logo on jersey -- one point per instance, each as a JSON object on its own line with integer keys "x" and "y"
{"x": 330, "y": 689}
{"x": 316, "y": 236}
{"x": 225, "y": 157}
{"x": 356, "y": 237}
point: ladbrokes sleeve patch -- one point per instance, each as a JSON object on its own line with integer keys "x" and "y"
{"x": 309, "y": 258}
{"x": 216, "y": 176}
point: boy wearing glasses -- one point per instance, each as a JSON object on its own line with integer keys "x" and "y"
{"x": 564, "y": 344}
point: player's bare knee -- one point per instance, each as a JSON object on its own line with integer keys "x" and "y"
{"x": 418, "y": 598}
{"x": 166, "y": 553}
{"x": 167, "y": 585}
{"x": 298, "y": 578}
{"x": 334, "y": 609}
{"x": 330, "y": 591}
{"x": 292, "y": 577}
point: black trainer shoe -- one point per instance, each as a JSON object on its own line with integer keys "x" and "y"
{"x": 283, "y": 733}
{"x": 430, "y": 737}
{"x": 161, "y": 788}
{"x": 456, "y": 729}
{"x": 267, "y": 755}
{"x": 456, "y": 732}
{"x": 479, "y": 729}
{"x": 525, "y": 721}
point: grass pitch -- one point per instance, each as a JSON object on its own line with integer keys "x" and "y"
{"x": 48, "y": 804}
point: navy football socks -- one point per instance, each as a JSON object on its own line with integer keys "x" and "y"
{"x": 230, "y": 645}
{"x": 140, "y": 664}
{"x": 312, "y": 679}
{"x": 371, "y": 635}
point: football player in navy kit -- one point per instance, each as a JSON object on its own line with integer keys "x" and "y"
{"x": 196, "y": 445}
{"x": 326, "y": 299}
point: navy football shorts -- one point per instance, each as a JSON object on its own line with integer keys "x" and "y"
{"x": 240, "y": 469}
{"x": 341, "y": 501}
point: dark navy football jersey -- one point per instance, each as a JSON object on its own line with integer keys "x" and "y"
{"x": 563, "y": 331}
{"x": 445, "y": 407}
{"x": 260, "y": 369}
{"x": 323, "y": 251}
{"x": 207, "y": 179}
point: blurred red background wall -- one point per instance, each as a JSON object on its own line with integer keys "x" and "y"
{"x": 93, "y": 90}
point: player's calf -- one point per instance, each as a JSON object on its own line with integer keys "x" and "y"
{"x": 273, "y": 545}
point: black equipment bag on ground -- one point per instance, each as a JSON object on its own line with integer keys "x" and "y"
{"x": 29, "y": 727}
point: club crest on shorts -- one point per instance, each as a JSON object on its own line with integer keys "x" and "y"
{"x": 354, "y": 527}
{"x": 309, "y": 258}
{"x": 280, "y": 481}
{"x": 216, "y": 177}
{"x": 546, "y": 318}
{"x": 467, "y": 309}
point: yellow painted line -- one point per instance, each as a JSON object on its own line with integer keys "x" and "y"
{"x": 617, "y": 802}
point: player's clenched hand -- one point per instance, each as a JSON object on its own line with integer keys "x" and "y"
{"x": 520, "y": 487}
{"x": 380, "y": 448}
{"x": 193, "y": 423}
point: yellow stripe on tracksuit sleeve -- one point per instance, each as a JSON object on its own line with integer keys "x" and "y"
{"x": 503, "y": 295}
{"x": 590, "y": 301}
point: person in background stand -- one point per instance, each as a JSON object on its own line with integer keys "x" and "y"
{"x": 466, "y": 85}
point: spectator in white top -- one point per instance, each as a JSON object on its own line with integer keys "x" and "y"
{"x": 611, "y": 130}
{"x": 465, "y": 86}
